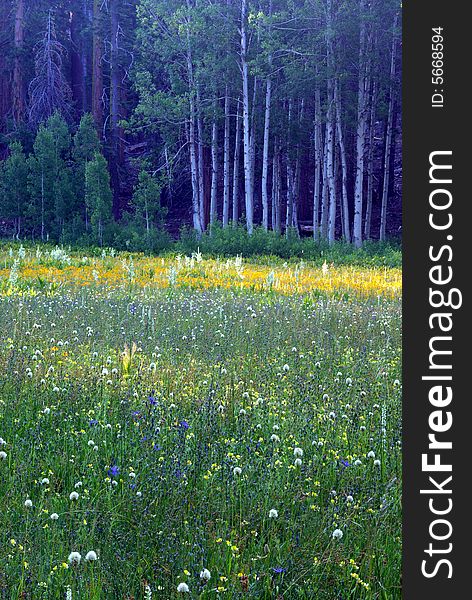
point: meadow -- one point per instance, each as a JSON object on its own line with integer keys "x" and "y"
{"x": 194, "y": 427}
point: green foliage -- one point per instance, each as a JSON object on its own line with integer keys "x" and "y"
{"x": 50, "y": 182}
{"x": 146, "y": 200}
{"x": 133, "y": 237}
{"x": 86, "y": 141}
{"x": 231, "y": 241}
{"x": 13, "y": 186}
{"x": 98, "y": 195}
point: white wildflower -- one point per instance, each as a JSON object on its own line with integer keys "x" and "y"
{"x": 74, "y": 558}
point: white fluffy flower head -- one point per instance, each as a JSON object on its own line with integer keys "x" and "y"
{"x": 74, "y": 558}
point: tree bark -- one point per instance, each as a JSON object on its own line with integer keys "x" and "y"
{"x": 226, "y": 186}
{"x": 18, "y": 90}
{"x": 361, "y": 127}
{"x": 318, "y": 165}
{"x": 265, "y": 157}
{"x": 115, "y": 133}
{"x": 196, "y": 204}
{"x": 201, "y": 175}
{"x": 78, "y": 69}
{"x": 370, "y": 163}
{"x": 388, "y": 136}
{"x": 249, "y": 200}
{"x": 289, "y": 175}
{"x": 342, "y": 152}
{"x": 276, "y": 187}
{"x": 330, "y": 166}
{"x": 97, "y": 68}
{"x": 214, "y": 172}
{"x": 325, "y": 190}
{"x": 237, "y": 151}
{"x": 5, "y": 87}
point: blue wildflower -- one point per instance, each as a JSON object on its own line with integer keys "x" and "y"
{"x": 113, "y": 471}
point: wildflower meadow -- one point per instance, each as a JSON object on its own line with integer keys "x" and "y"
{"x": 195, "y": 427}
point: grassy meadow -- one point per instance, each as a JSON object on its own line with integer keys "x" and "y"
{"x": 187, "y": 427}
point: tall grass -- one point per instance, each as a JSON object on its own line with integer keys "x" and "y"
{"x": 221, "y": 429}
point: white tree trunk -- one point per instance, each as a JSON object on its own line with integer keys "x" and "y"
{"x": 197, "y": 222}
{"x": 277, "y": 225}
{"x": 252, "y": 141}
{"x": 214, "y": 173}
{"x": 342, "y": 152}
{"x": 324, "y": 190}
{"x": 237, "y": 150}
{"x": 265, "y": 152}
{"x": 289, "y": 208}
{"x": 201, "y": 179}
{"x": 318, "y": 167}
{"x": 330, "y": 169}
{"x": 274, "y": 176}
{"x": 249, "y": 201}
{"x": 226, "y": 189}
{"x": 265, "y": 157}
{"x": 370, "y": 163}
{"x": 360, "y": 133}
{"x": 330, "y": 128}
{"x": 297, "y": 174}
{"x": 289, "y": 174}
{"x": 388, "y": 137}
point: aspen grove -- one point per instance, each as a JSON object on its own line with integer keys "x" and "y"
{"x": 270, "y": 113}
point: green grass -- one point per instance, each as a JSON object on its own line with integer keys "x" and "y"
{"x": 262, "y": 246}
{"x": 214, "y": 376}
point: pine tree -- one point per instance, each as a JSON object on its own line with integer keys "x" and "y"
{"x": 49, "y": 91}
